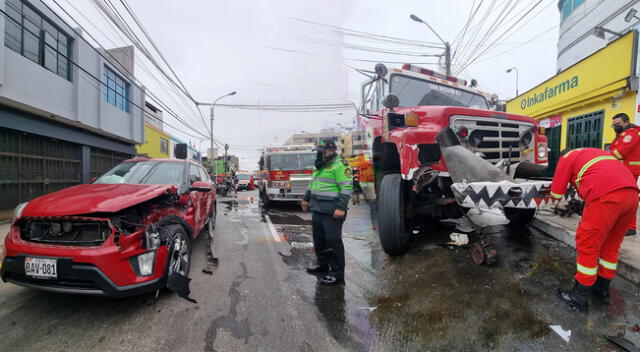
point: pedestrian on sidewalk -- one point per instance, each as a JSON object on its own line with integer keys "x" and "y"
{"x": 626, "y": 147}
{"x": 357, "y": 189}
{"x": 327, "y": 197}
{"x": 610, "y": 193}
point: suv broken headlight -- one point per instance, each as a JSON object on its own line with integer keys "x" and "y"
{"x": 17, "y": 213}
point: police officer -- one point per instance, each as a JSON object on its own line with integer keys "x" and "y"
{"x": 327, "y": 197}
{"x": 626, "y": 148}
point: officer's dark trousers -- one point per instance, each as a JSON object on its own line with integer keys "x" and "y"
{"x": 327, "y": 242}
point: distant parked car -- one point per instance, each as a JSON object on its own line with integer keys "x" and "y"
{"x": 245, "y": 182}
{"x": 121, "y": 235}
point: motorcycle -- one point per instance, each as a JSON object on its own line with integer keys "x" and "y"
{"x": 223, "y": 188}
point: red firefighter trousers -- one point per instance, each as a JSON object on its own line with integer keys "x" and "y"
{"x": 633, "y": 222}
{"x": 601, "y": 231}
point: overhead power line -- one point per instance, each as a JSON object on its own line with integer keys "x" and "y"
{"x": 142, "y": 109}
{"x": 108, "y": 9}
{"x": 532, "y": 40}
{"x": 477, "y": 30}
{"x": 137, "y": 63}
{"x": 472, "y": 15}
{"x": 501, "y": 36}
{"x": 372, "y": 36}
{"x": 391, "y": 62}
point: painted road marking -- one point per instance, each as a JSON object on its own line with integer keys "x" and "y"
{"x": 272, "y": 229}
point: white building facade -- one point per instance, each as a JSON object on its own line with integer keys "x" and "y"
{"x": 584, "y": 23}
{"x": 66, "y": 113}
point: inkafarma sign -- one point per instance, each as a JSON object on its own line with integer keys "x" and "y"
{"x": 605, "y": 71}
{"x": 549, "y": 92}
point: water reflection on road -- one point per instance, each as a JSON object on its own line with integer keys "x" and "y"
{"x": 436, "y": 298}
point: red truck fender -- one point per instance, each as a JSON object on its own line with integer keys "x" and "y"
{"x": 407, "y": 142}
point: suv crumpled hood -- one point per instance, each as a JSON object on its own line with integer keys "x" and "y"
{"x": 93, "y": 198}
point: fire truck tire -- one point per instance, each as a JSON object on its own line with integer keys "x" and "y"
{"x": 392, "y": 228}
{"x": 519, "y": 216}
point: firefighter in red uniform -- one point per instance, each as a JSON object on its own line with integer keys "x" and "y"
{"x": 626, "y": 147}
{"x": 611, "y": 200}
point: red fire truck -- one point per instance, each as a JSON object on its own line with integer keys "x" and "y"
{"x": 403, "y": 112}
{"x": 285, "y": 173}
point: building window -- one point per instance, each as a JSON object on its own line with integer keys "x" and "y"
{"x": 36, "y": 38}
{"x": 115, "y": 89}
{"x": 164, "y": 146}
{"x": 568, "y": 6}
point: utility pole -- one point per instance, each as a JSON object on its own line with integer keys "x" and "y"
{"x": 447, "y": 46}
{"x": 447, "y": 58}
{"x": 226, "y": 147}
{"x": 212, "y": 115}
{"x": 516, "y": 70}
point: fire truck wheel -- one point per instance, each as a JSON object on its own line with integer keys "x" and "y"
{"x": 393, "y": 228}
{"x": 519, "y": 216}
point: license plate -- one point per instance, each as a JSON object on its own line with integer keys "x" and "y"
{"x": 41, "y": 268}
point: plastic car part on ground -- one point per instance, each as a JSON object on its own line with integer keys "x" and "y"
{"x": 458, "y": 239}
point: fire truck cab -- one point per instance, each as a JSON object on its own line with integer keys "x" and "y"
{"x": 285, "y": 173}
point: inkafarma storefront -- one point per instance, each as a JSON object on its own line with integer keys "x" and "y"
{"x": 576, "y": 105}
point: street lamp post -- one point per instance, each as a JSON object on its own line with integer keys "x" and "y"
{"x": 515, "y": 69}
{"x": 213, "y": 106}
{"x": 447, "y": 47}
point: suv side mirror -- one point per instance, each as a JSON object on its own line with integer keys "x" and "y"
{"x": 93, "y": 179}
{"x": 200, "y": 186}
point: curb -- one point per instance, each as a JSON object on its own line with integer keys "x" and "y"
{"x": 566, "y": 236}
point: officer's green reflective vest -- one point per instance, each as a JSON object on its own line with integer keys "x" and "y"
{"x": 330, "y": 187}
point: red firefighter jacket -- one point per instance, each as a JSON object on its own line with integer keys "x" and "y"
{"x": 626, "y": 147}
{"x": 592, "y": 172}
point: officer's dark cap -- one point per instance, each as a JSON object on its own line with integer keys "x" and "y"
{"x": 328, "y": 144}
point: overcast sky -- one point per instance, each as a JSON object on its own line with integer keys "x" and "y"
{"x": 268, "y": 52}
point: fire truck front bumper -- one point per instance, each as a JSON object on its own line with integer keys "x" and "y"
{"x": 503, "y": 194}
{"x": 284, "y": 195}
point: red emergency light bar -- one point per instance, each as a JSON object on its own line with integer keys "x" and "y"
{"x": 424, "y": 71}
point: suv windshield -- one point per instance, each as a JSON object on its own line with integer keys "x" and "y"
{"x": 243, "y": 176}
{"x": 416, "y": 92}
{"x": 150, "y": 172}
{"x": 292, "y": 161}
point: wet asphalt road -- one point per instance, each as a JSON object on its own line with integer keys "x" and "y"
{"x": 259, "y": 298}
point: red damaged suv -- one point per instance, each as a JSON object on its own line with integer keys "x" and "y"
{"x": 122, "y": 235}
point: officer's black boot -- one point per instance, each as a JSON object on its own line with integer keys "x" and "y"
{"x": 317, "y": 269}
{"x": 577, "y": 297}
{"x": 330, "y": 280}
{"x": 601, "y": 290}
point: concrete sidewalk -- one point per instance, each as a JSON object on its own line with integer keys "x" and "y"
{"x": 564, "y": 229}
{"x": 4, "y": 230}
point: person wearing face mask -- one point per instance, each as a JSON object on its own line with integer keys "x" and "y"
{"x": 626, "y": 148}
{"x": 327, "y": 197}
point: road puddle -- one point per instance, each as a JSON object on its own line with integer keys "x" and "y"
{"x": 436, "y": 298}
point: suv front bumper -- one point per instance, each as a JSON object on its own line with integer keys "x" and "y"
{"x": 75, "y": 278}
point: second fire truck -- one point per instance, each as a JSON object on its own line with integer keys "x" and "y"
{"x": 285, "y": 173}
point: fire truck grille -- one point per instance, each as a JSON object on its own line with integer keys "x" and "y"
{"x": 299, "y": 186}
{"x": 499, "y": 138}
